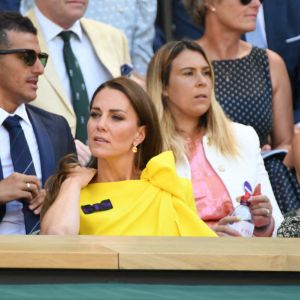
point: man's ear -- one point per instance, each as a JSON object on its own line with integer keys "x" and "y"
{"x": 140, "y": 135}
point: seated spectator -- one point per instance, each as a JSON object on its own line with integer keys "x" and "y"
{"x": 132, "y": 189}
{"x": 32, "y": 140}
{"x": 220, "y": 155}
{"x": 252, "y": 84}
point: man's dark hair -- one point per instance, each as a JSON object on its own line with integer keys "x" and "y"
{"x": 13, "y": 21}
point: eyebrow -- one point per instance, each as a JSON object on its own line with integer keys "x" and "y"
{"x": 193, "y": 68}
{"x": 111, "y": 110}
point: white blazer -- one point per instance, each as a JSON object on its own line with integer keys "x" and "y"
{"x": 248, "y": 166}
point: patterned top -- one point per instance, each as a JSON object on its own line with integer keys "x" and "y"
{"x": 244, "y": 90}
{"x": 212, "y": 199}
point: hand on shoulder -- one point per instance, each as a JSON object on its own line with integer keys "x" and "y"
{"x": 80, "y": 176}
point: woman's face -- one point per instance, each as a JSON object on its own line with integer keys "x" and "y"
{"x": 234, "y": 16}
{"x": 113, "y": 126}
{"x": 190, "y": 86}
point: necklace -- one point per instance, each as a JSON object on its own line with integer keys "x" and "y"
{"x": 224, "y": 69}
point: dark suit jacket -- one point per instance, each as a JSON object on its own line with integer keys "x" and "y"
{"x": 282, "y": 19}
{"x": 54, "y": 140}
{"x": 10, "y": 5}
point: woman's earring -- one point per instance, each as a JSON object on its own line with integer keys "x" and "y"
{"x": 134, "y": 149}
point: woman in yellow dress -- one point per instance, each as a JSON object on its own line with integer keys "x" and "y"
{"x": 131, "y": 188}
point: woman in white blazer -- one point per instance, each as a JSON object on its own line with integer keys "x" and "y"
{"x": 222, "y": 158}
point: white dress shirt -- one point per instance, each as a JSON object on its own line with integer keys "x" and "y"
{"x": 93, "y": 71}
{"x": 13, "y": 221}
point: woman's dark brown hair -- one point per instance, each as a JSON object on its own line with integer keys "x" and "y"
{"x": 146, "y": 113}
{"x": 147, "y": 116}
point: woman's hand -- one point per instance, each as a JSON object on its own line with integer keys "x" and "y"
{"x": 82, "y": 176}
{"x": 261, "y": 212}
{"x": 36, "y": 203}
{"x": 223, "y": 229}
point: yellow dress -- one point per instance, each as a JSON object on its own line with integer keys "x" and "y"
{"x": 160, "y": 203}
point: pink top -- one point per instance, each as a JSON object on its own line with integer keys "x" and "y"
{"x": 212, "y": 199}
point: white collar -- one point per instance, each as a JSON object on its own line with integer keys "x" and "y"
{"x": 51, "y": 29}
{"x": 20, "y": 111}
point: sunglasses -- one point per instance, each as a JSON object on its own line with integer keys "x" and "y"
{"x": 246, "y": 2}
{"x": 29, "y": 56}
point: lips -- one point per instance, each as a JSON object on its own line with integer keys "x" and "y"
{"x": 77, "y": 2}
{"x": 201, "y": 96}
{"x": 33, "y": 82}
{"x": 101, "y": 140}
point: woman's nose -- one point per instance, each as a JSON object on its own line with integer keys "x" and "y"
{"x": 101, "y": 123}
{"x": 200, "y": 80}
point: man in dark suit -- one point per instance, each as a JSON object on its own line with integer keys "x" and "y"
{"x": 282, "y": 26}
{"x": 28, "y": 134}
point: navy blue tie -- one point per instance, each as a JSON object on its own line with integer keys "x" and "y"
{"x": 23, "y": 163}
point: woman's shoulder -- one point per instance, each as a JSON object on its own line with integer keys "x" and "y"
{"x": 161, "y": 172}
{"x": 240, "y": 130}
{"x": 163, "y": 161}
{"x": 244, "y": 134}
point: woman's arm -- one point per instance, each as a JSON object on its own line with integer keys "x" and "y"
{"x": 63, "y": 215}
{"x": 265, "y": 197}
{"x": 282, "y": 131}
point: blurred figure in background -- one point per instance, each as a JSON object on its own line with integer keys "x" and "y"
{"x": 134, "y": 17}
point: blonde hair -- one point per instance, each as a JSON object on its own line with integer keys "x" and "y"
{"x": 216, "y": 124}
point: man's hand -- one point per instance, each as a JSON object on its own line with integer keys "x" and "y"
{"x": 19, "y": 186}
{"x": 83, "y": 152}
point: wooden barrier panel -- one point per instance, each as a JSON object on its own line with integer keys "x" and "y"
{"x": 224, "y": 254}
{"x": 150, "y": 253}
{"x": 55, "y": 252}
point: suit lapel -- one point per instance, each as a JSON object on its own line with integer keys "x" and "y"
{"x": 1, "y": 172}
{"x": 275, "y": 9}
{"x": 229, "y": 170}
{"x": 50, "y": 74}
{"x": 45, "y": 147}
{"x": 103, "y": 47}
{"x": 2, "y": 206}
